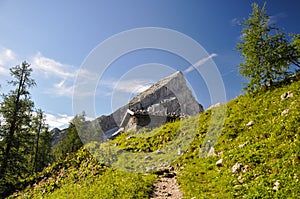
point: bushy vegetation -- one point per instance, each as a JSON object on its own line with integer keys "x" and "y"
{"x": 80, "y": 175}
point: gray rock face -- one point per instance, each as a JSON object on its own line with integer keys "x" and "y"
{"x": 57, "y": 135}
{"x": 169, "y": 95}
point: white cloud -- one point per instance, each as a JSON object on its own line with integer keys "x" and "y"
{"x": 132, "y": 86}
{"x": 85, "y": 83}
{"x": 61, "y": 120}
{"x": 50, "y": 67}
{"x": 58, "y": 120}
{"x": 199, "y": 63}
{"x": 61, "y": 89}
{"x": 7, "y": 55}
{"x": 64, "y": 87}
{"x": 7, "y": 59}
{"x": 62, "y": 75}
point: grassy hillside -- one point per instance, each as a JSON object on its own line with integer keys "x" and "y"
{"x": 268, "y": 150}
{"x": 80, "y": 175}
{"x": 260, "y": 138}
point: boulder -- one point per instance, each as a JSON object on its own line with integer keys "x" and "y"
{"x": 159, "y": 152}
{"x": 219, "y": 163}
{"x": 237, "y": 167}
{"x": 288, "y": 94}
{"x": 284, "y": 112}
{"x": 276, "y": 185}
{"x": 251, "y": 123}
{"x": 211, "y": 152}
{"x": 243, "y": 145}
{"x": 148, "y": 157}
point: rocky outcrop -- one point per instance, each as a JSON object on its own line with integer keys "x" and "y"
{"x": 57, "y": 135}
{"x": 168, "y": 96}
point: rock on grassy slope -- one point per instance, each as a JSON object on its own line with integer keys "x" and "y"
{"x": 258, "y": 155}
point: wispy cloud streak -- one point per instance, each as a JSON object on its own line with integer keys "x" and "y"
{"x": 199, "y": 63}
{"x": 50, "y": 67}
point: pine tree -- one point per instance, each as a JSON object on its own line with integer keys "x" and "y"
{"x": 42, "y": 142}
{"x": 267, "y": 52}
{"x": 16, "y": 110}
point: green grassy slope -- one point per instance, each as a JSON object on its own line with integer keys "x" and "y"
{"x": 268, "y": 152}
{"x": 80, "y": 175}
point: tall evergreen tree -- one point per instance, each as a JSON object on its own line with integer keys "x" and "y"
{"x": 42, "y": 142}
{"x": 267, "y": 52}
{"x": 16, "y": 111}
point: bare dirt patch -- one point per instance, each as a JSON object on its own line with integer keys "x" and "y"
{"x": 166, "y": 187}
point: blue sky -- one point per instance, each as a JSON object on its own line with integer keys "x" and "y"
{"x": 57, "y": 36}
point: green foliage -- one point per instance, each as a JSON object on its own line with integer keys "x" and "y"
{"x": 16, "y": 110}
{"x": 81, "y": 176}
{"x": 42, "y": 142}
{"x": 150, "y": 141}
{"x": 72, "y": 141}
{"x": 267, "y": 52}
{"x": 296, "y": 45}
{"x": 25, "y": 141}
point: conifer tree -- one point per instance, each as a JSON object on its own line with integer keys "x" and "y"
{"x": 16, "y": 110}
{"x": 267, "y": 52}
{"x": 42, "y": 142}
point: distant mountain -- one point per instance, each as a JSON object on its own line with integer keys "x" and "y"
{"x": 57, "y": 135}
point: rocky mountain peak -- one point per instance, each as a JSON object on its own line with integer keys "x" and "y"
{"x": 168, "y": 97}
{"x": 175, "y": 77}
